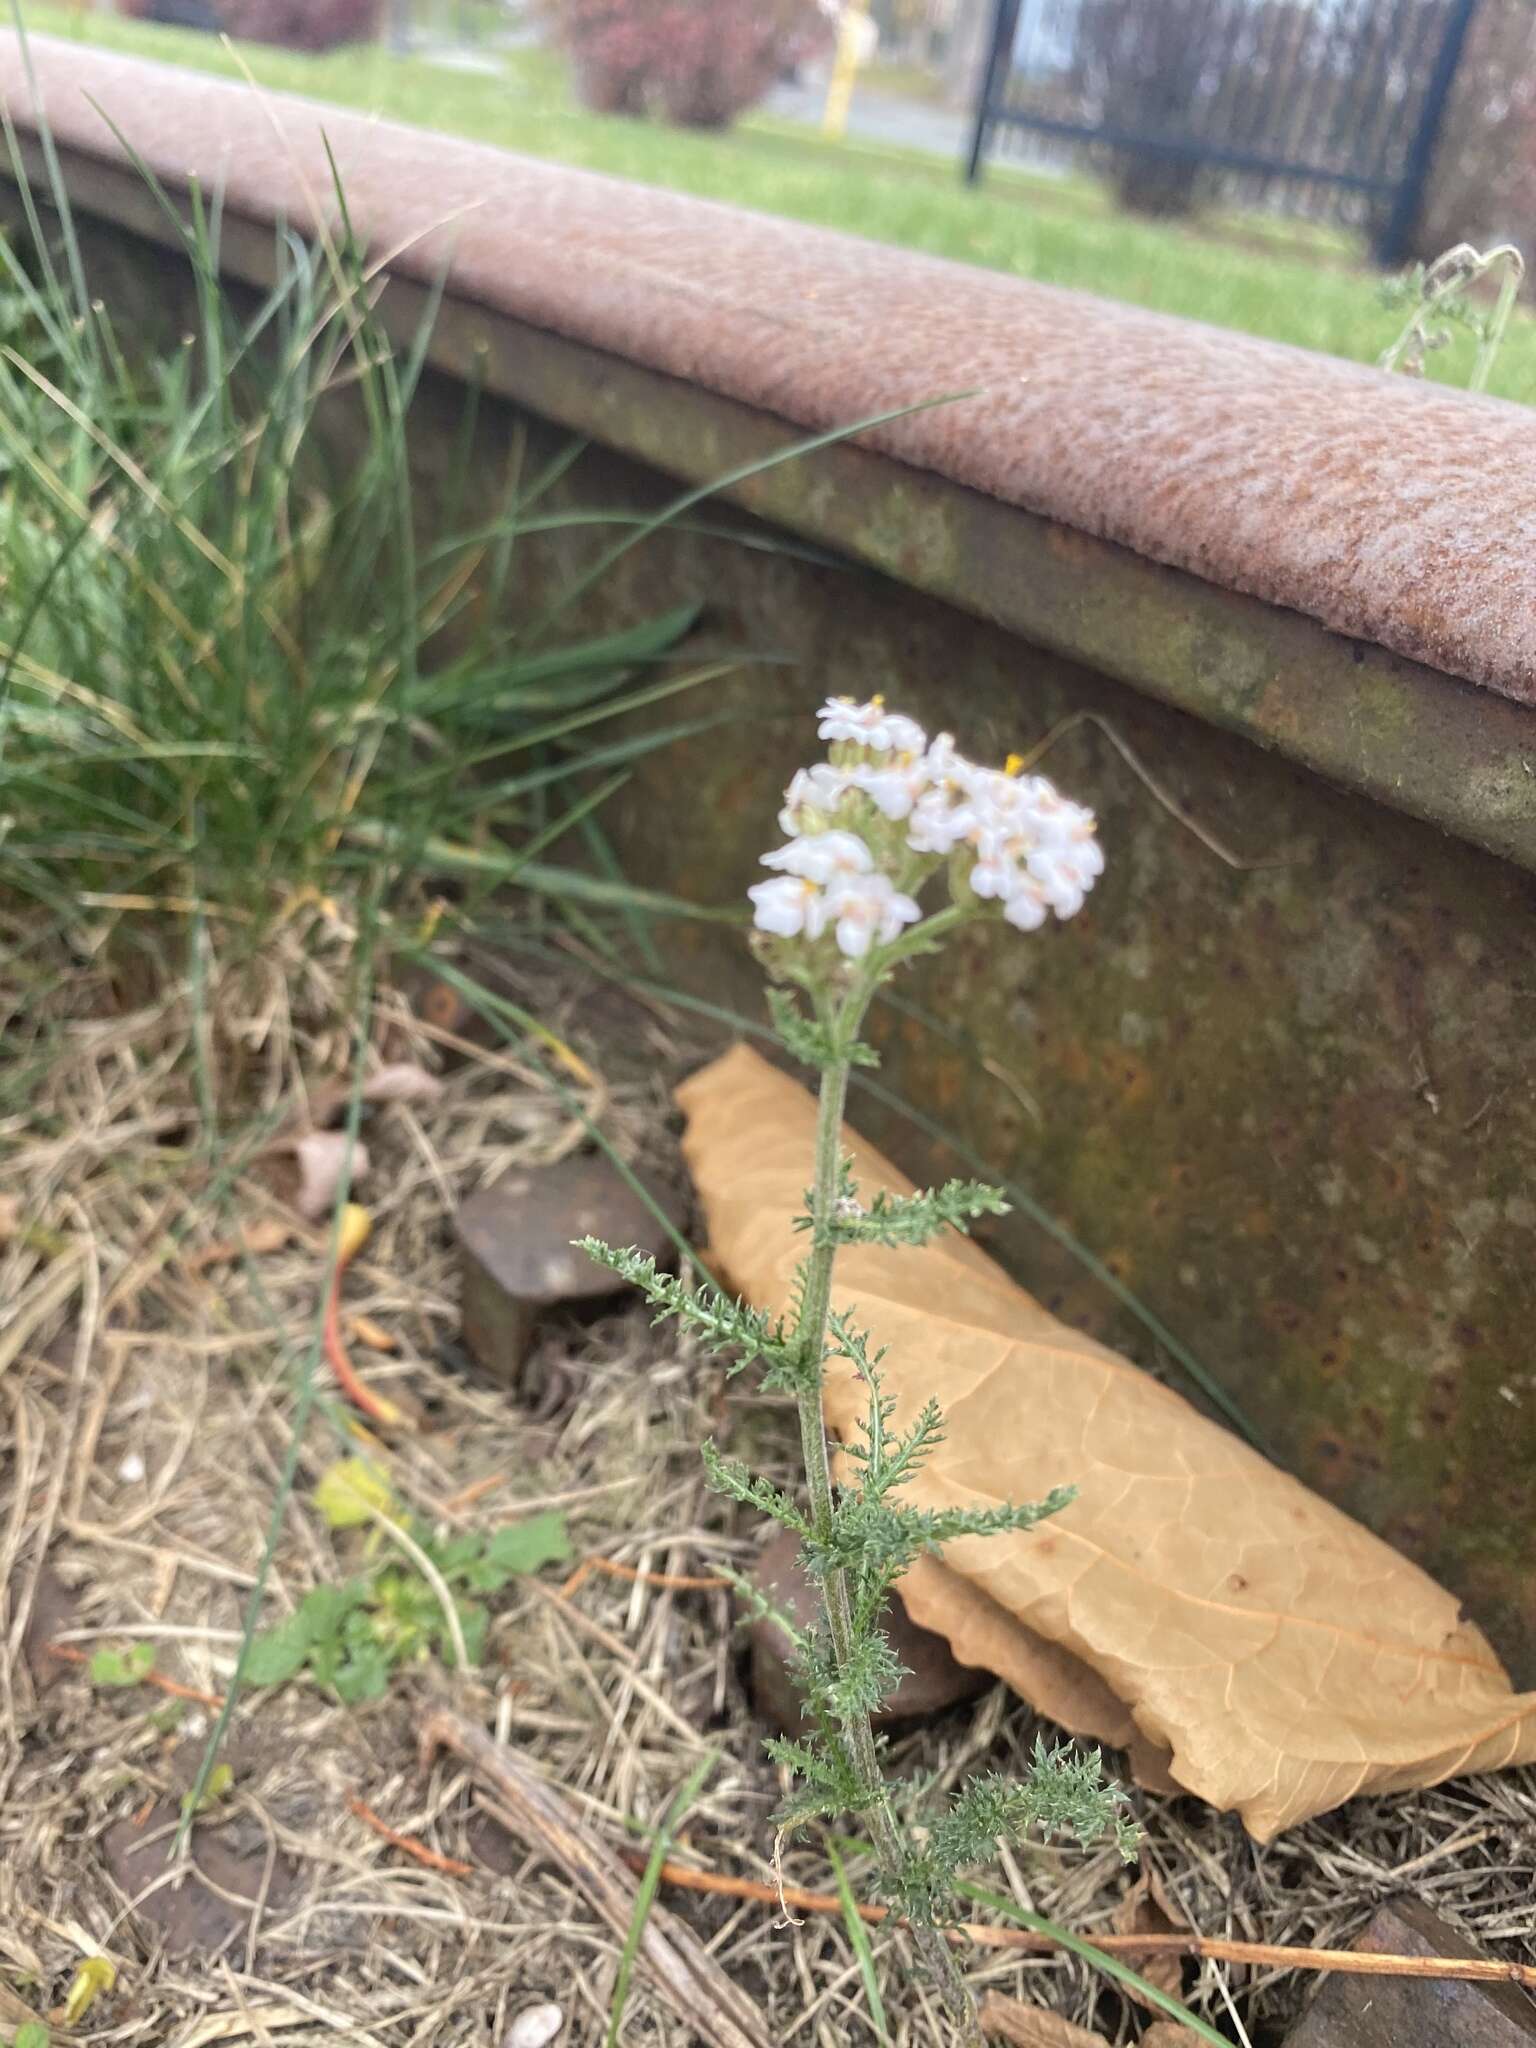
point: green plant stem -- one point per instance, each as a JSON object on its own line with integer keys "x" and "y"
{"x": 1493, "y": 336}
{"x": 811, "y": 1338}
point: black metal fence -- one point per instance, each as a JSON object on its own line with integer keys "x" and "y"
{"x": 1329, "y": 107}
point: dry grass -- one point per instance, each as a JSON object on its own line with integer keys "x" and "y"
{"x": 123, "y": 1358}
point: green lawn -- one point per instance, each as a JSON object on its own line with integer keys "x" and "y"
{"x": 1289, "y": 284}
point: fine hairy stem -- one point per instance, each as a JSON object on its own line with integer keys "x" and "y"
{"x": 810, "y": 1343}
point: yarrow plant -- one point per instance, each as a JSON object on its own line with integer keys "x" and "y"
{"x": 869, "y": 832}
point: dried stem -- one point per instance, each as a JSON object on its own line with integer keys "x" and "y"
{"x": 1348, "y": 1962}
{"x": 715, "y": 2009}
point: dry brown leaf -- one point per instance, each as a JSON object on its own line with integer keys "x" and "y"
{"x": 1031, "y": 2026}
{"x": 396, "y": 1081}
{"x": 1168, "y": 2034}
{"x": 1273, "y": 1657}
{"x": 260, "y": 2021}
{"x": 1148, "y": 1909}
{"x": 259, "y": 1239}
{"x": 402, "y": 1081}
{"x": 322, "y": 1157}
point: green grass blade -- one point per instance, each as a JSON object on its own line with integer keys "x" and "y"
{"x": 523, "y": 675}
{"x": 650, "y": 1884}
{"x": 703, "y": 529}
{"x": 1107, "y": 1965}
{"x": 636, "y": 923}
{"x": 486, "y": 799}
{"x": 743, "y": 473}
{"x": 863, "y": 1953}
{"x": 540, "y": 879}
{"x": 555, "y": 729}
{"x": 577, "y": 814}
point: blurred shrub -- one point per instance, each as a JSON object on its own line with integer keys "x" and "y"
{"x": 696, "y": 62}
{"x": 1145, "y": 67}
{"x": 296, "y": 24}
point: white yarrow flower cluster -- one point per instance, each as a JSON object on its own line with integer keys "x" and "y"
{"x": 830, "y": 883}
{"x": 1010, "y": 839}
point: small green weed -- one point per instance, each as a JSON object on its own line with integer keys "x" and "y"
{"x": 350, "y": 1637}
{"x": 220, "y": 1783}
{"x": 123, "y": 1667}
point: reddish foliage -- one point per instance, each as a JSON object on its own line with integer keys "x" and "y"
{"x": 698, "y": 62}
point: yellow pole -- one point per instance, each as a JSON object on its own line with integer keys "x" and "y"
{"x": 834, "y": 117}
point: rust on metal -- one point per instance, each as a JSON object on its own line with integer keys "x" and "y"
{"x": 1391, "y": 511}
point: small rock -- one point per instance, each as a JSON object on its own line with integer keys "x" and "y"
{"x": 517, "y": 1256}
{"x": 1414, "y": 2012}
{"x": 535, "y": 2027}
{"x": 934, "y": 1679}
{"x": 131, "y": 1470}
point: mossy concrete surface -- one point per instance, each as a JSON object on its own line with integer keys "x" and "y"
{"x": 1289, "y": 1101}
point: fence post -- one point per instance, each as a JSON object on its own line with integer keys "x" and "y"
{"x": 1005, "y": 22}
{"x": 1394, "y": 242}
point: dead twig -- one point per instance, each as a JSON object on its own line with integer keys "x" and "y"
{"x": 677, "y": 1963}
{"x": 67, "y": 1654}
{"x": 1158, "y": 792}
{"x": 1204, "y": 1948}
{"x": 670, "y": 1582}
{"x": 408, "y": 1845}
{"x": 357, "y": 1391}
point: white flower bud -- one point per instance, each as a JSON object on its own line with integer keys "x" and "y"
{"x": 893, "y": 787}
{"x": 819, "y": 789}
{"x": 865, "y": 908}
{"x": 870, "y": 725}
{"x": 1025, "y": 907}
{"x": 823, "y": 856}
{"x": 788, "y": 907}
